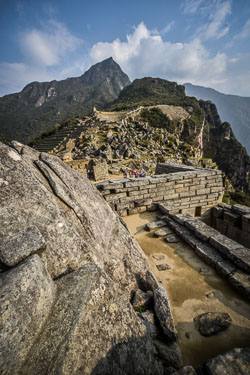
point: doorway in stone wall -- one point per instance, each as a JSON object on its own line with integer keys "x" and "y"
{"x": 198, "y": 211}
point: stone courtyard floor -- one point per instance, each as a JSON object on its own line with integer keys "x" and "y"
{"x": 194, "y": 288}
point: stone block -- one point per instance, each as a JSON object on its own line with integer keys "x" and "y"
{"x": 170, "y": 196}
{"x": 15, "y": 248}
{"x": 143, "y": 202}
{"x": 27, "y": 295}
{"x": 203, "y": 191}
{"x": 115, "y": 197}
{"x": 246, "y": 223}
{"x": 137, "y": 210}
{"x": 155, "y": 224}
{"x": 231, "y": 218}
{"x": 167, "y": 209}
{"x": 133, "y": 188}
{"x": 216, "y": 189}
{"x": 225, "y": 267}
{"x": 240, "y": 280}
{"x": 217, "y": 212}
{"x": 122, "y": 206}
{"x": 123, "y": 212}
{"x": 240, "y": 209}
{"x": 163, "y": 313}
{"x": 135, "y": 193}
{"x": 137, "y": 182}
{"x": 208, "y": 254}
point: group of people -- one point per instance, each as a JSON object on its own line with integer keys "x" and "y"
{"x": 133, "y": 174}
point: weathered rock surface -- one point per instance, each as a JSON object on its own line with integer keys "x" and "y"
{"x": 235, "y": 361}
{"x": 163, "y": 267}
{"x": 155, "y": 224}
{"x": 162, "y": 232}
{"x": 26, "y": 297}
{"x": 142, "y": 299}
{"x": 95, "y": 330}
{"x": 18, "y": 246}
{"x": 169, "y": 353}
{"x": 76, "y": 223}
{"x": 212, "y": 322}
{"x": 163, "y": 313}
{"x": 172, "y": 239}
{"x": 89, "y": 325}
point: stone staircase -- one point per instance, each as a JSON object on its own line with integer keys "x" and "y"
{"x": 60, "y": 138}
{"x": 230, "y": 259}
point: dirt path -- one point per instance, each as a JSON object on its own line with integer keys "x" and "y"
{"x": 192, "y": 293}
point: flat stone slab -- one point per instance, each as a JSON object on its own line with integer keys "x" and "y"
{"x": 163, "y": 232}
{"x": 155, "y": 224}
{"x": 172, "y": 239}
{"x": 158, "y": 257}
{"x": 168, "y": 209}
{"x": 15, "y": 248}
{"x": 163, "y": 267}
{"x": 211, "y": 323}
{"x": 163, "y": 313}
{"x": 240, "y": 280}
{"x": 207, "y": 253}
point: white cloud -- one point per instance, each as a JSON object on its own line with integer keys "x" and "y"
{"x": 146, "y": 54}
{"x": 191, "y": 6}
{"x": 48, "y": 46}
{"x": 215, "y": 11}
{"x": 245, "y": 32}
{"x": 217, "y": 28}
{"x": 167, "y": 28}
{"x": 47, "y": 55}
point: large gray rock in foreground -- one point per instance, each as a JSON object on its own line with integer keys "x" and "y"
{"x": 88, "y": 325}
{"x": 77, "y": 224}
{"x": 17, "y": 247}
{"x": 26, "y": 297}
{"x": 95, "y": 331}
{"x": 235, "y": 361}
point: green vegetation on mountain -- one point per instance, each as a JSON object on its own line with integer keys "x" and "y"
{"x": 39, "y": 106}
{"x": 157, "y": 119}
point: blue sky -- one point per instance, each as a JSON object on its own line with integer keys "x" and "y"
{"x": 205, "y": 42}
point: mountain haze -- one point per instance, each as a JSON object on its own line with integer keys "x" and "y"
{"x": 232, "y": 108}
{"x": 39, "y": 106}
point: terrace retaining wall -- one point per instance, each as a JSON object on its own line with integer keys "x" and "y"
{"x": 191, "y": 190}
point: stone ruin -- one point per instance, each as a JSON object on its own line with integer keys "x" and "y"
{"x": 192, "y": 190}
{"x": 99, "y": 168}
{"x": 73, "y": 280}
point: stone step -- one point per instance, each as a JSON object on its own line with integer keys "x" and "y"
{"x": 155, "y": 224}
{"x": 234, "y": 251}
{"x": 238, "y": 278}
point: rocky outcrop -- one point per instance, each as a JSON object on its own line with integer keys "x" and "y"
{"x": 235, "y": 361}
{"x": 69, "y": 267}
{"x": 220, "y": 144}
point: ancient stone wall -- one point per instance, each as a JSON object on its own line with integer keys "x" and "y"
{"x": 233, "y": 222}
{"x": 191, "y": 191}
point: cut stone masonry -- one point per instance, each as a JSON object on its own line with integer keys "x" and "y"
{"x": 192, "y": 190}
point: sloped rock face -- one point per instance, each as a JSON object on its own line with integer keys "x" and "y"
{"x": 82, "y": 322}
{"x": 77, "y": 225}
{"x": 27, "y": 293}
{"x": 93, "y": 314}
